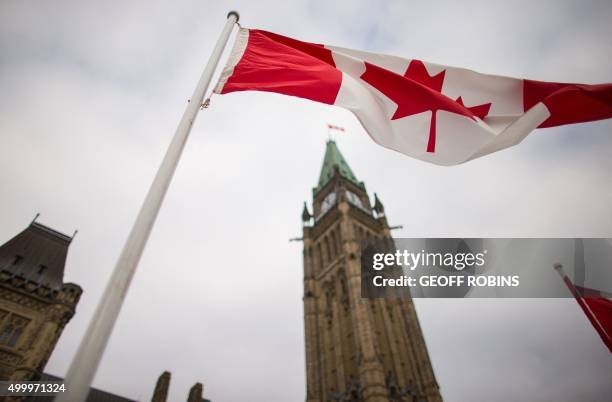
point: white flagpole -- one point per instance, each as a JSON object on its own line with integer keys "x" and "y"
{"x": 88, "y": 356}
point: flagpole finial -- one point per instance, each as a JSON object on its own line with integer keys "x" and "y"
{"x": 234, "y": 13}
{"x": 559, "y": 268}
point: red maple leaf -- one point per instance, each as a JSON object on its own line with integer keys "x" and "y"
{"x": 416, "y": 92}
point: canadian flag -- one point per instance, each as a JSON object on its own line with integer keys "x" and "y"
{"x": 444, "y": 115}
{"x": 595, "y": 304}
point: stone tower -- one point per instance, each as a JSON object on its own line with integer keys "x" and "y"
{"x": 357, "y": 349}
{"x": 35, "y": 303}
{"x": 160, "y": 394}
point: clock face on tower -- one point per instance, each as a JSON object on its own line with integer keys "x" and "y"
{"x": 354, "y": 199}
{"x": 327, "y": 203}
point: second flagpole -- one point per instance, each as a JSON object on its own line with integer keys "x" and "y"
{"x": 90, "y": 351}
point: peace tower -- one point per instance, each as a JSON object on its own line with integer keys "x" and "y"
{"x": 357, "y": 349}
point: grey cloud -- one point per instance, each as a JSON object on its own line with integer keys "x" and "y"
{"x": 91, "y": 96}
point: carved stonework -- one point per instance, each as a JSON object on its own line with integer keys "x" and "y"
{"x": 22, "y": 299}
{"x": 59, "y": 314}
{"x": 9, "y": 357}
{"x": 35, "y": 304}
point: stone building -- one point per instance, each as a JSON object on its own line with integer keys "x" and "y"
{"x": 357, "y": 349}
{"x": 35, "y": 303}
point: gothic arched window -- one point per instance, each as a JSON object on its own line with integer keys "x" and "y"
{"x": 332, "y": 239}
{"x": 12, "y": 328}
{"x": 338, "y": 240}
{"x": 320, "y": 259}
{"x": 327, "y": 249}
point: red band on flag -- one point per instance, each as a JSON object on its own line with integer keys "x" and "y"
{"x": 602, "y": 310}
{"x": 275, "y": 63}
{"x": 569, "y": 103}
{"x": 597, "y": 309}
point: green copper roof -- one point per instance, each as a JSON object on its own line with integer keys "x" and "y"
{"x": 333, "y": 158}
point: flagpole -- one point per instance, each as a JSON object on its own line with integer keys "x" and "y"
{"x": 90, "y": 351}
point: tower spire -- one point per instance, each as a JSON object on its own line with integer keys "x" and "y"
{"x": 333, "y": 160}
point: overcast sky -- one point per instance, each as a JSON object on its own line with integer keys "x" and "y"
{"x": 91, "y": 93}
